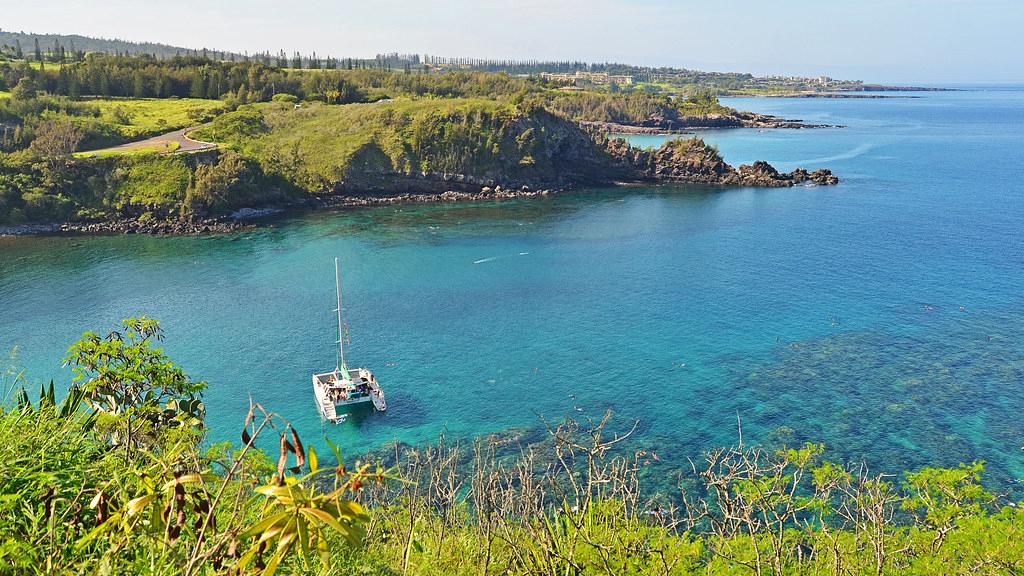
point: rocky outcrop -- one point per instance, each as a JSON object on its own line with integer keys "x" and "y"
{"x": 752, "y": 120}
{"x": 693, "y": 161}
{"x": 763, "y": 174}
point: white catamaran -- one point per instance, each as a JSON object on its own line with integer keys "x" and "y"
{"x": 342, "y": 386}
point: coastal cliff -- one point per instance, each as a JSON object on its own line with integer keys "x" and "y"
{"x": 279, "y": 156}
{"x": 466, "y": 146}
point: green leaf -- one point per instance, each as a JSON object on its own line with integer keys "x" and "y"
{"x": 300, "y": 525}
{"x": 275, "y": 491}
{"x": 263, "y": 525}
{"x": 139, "y": 504}
{"x": 314, "y": 464}
{"x": 189, "y": 479}
{"x": 335, "y": 449}
{"x": 272, "y": 564}
{"x": 319, "y": 515}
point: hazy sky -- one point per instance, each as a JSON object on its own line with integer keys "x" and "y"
{"x": 873, "y": 40}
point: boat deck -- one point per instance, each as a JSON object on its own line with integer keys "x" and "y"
{"x": 332, "y": 391}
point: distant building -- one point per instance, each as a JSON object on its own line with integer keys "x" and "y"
{"x": 581, "y": 78}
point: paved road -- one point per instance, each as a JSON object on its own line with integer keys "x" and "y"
{"x": 185, "y": 144}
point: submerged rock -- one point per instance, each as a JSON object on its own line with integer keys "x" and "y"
{"x": 254, "y": 213}
{"x": 169, "y": 227}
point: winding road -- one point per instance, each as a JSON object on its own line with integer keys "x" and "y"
{"x": 185, "y": 144}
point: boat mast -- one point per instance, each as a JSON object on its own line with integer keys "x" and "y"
{"x": 341, "y": 336}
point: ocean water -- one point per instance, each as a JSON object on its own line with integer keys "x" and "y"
{"x": 883, "y": 317}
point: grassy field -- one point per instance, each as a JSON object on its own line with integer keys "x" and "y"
{"x": 318, "y": 143}
{"x": 135, "y": 118}
{"x": 163, "y": 148}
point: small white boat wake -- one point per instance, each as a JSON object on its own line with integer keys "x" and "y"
{"x": 848, "y": 155}
{"x": 493, "y": 258}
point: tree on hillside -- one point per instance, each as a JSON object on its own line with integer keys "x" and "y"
{"x": 25, "y": 89}
{"x": 215, "y": 184}
{"x": 138, "y": 86}
{"x": 129, "y": 380}
{"x": 198, "y": 84}
{"x": 55, "y": 140}
{"x": 53, "y": 144}
{"x": 39, "y": 52}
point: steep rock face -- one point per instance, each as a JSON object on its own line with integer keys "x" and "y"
{"x": 688, "y": 161}
{"x": 559, "y": 152}
{"x": 536, "y": 150}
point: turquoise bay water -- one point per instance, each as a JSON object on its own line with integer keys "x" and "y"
{"x": 882, "y": 316}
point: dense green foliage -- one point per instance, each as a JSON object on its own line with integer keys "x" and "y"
{"x": 56, "y": 49}
{"x": 77, "y": 496}
{"x": 126, "y": 185}
{"x": 232, "y": 181}
{"x": 635, "y": 109}
{"x": 245, "y": 81}
{"x": 138, "y": 390}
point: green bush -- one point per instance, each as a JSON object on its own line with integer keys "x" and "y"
{"x": 287, "y": 98}
{"x": 231, "y": 181}
{"x": 138, "y": 182}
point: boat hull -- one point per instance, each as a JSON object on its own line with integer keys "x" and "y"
{"x": 335, "y": 391}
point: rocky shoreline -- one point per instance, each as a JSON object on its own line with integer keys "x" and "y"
{"x": 246, "y": 218}
{"x": 129, "y": 225}
{"x": 686, "y": 124}
{"x": 613, "y": 128}
{"x": 761, "y": 175}
{"x": 485, "y": 194}
{"x": 752, "y": 120}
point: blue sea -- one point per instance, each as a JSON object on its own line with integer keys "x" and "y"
{"x": 883, "y": 317}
